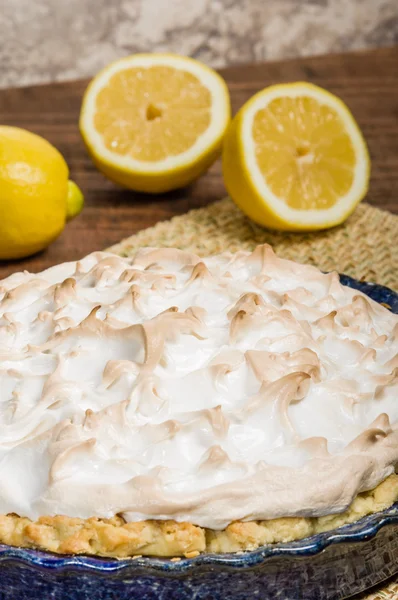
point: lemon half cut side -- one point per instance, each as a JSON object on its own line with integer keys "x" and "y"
{"x": 155, "y": 122}
{"x": 295, "y": 159}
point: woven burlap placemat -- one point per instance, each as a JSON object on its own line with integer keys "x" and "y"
{"x": 365, "y": 247}
{"x": 389, "y": 592}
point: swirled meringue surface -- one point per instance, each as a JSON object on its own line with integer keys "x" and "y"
{"x": 236, "y": 387}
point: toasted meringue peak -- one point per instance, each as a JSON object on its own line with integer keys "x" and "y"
{"x": 168, "y": 386}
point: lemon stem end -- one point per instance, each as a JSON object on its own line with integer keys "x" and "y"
{"x": 74, "y": 201}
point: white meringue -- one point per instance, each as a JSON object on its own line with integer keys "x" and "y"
{"x": 236, "y": 387}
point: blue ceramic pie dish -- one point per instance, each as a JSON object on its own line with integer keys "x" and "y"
{"x": 328, "y": 566}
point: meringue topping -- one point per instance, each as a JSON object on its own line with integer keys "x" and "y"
{"x": 209, "y": 390}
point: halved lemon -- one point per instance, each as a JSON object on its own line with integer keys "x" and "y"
{"x": 155, "y": 122}
{"x": 295, "y": 159}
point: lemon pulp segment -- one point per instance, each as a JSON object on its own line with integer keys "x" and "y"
{"x": 304, "y": 152}
{"x": 150, "y": 113}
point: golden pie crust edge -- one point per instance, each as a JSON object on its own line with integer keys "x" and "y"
{"x": 116, "y": 538}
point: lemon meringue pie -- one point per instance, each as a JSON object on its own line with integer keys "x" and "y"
{"x": 170, "y": 404}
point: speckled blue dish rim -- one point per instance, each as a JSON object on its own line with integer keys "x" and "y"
{"x": 360, "y": 531}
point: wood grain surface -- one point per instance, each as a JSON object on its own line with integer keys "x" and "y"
{"x": 366, "y": 81}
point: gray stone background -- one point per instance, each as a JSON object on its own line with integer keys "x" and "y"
{"x": 48, "y": 40}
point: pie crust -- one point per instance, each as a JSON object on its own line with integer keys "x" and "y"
{"x": 116, "y": 538}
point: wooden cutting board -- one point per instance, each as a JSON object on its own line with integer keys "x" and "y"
{"x": 366, "y": 81}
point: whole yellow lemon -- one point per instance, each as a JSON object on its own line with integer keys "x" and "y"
{"x": 36, "y": 196}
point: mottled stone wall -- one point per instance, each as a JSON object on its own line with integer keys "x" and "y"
{"x": 45, "y": 40}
